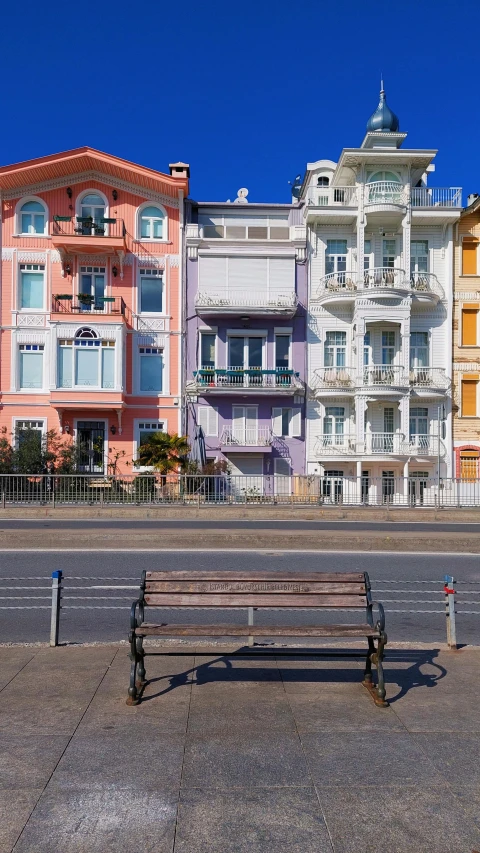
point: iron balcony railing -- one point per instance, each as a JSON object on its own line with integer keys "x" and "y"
{"x": 385, "y": 192}
{"x": 426, "y": 282}
{"x": 385, "y": 374}
{"x": 257, "y": 436}
{"x": 243, "y": 299}
{"x": 246, "y": 377}
{"x": 86, "y": 226}
{"x": 384, "y": 442}
{"x": 424, "y": 445}
{"x": 83, "y": 303}
{"x": 334, "y": 377}
{"x": 429, "y": 377}
{"x": 332, "y": 196}
{"x": 385, "y": 277}
{"x": 328, "y": 444}
{"x": 344, "y": 282}
{"x": 436, "y": 197}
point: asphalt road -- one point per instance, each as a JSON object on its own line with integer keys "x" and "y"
{"x": 81, "y": 623}
{"x": 235, "y": 524}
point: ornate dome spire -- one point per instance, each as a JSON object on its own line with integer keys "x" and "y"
{"x": 383, "y": 119}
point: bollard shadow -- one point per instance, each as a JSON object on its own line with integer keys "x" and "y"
{"x": 405, "y": 670}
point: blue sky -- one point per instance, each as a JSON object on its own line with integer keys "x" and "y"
{"x": 246, "y": 92}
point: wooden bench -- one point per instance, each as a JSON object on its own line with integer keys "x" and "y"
{"x": 227, "y": 589}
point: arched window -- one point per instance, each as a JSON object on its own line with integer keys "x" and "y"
{"x": 151, "y": 225}
{"x": 92, "y": 207}
{"x": 323, "y": 182}
{"x": 85, "y": 332}
{"x": 32, "y": 218}
{"x": 384, "y": 176}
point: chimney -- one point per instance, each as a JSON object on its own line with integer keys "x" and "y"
{"x": 471, "y": 198}
{"x": 179, "y": 170}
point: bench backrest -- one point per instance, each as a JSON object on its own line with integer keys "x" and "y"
{"x": 255, "y": 589}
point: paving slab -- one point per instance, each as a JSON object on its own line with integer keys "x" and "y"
{"x": 326, "y": 711}
{"x": 112, "y": 820}
{"x": 244, "y": 760}
{"x": 455, "y": 755}
{"x": 16, "y": 806}
{"x": 12, "y": 661}
{"x": 412, "y": 819}
{"x": 28, "y": 761}
{"x": 236, "y": 710}
{"x": 261, "y": 820}
{"x": 368, "y": 758}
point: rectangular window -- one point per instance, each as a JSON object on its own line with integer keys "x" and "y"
{"x": 151, "y": 291}
{"x": 469, "y": 398}
{"x": 23, "y": 428}
{"x": 86, "y": 368}
{"x": 334, "y": 424}
{"x": 207, "y": 419}
{"x": 92, "y": 288}
{"x": 279, "y": 233}
{"x": 336, "y": 256}
{"x": 108, "y": 367}
{"x": 151, "y": 370}
{"x": 148, "y": 428}
{"x": 366, "y": 349}
{"x": 287, "y": 423}
{"x": 282, "y": 351}
{"x": 389, "y": 253}
{"x": 419, "y": 355}
{"x": 418, "y": 421}
{"x": 469, "y": 257}
{"x": 258, "y": 232}
{"x": 31, "y": 365}
{"x": 65, "y": 364}
{"x": 388, "y": 420}
{"x": 335, "y": 349}
{"x": 207, "y": 347}
{"x": 213, "y": 231}
{"x": 32, "y": 286}
{"x": 388, "y": 347}
{"x": 367, "y": 251}
{"x": 236, "y": 232}
{"x": 469, "y": 326}
{"x": 418, "y": 256}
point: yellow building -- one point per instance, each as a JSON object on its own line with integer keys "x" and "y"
{"x": 466, "y": 344}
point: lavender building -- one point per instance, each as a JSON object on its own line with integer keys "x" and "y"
{"x": 245, "y": 335}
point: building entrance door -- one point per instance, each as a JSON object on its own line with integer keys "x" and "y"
{"x": 91, "y": 445}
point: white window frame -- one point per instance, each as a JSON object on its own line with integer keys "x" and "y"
{"x": 336, "y": 348}
{"x": 242, "y": 222}
{"x": 18, "y": 217}
{"x": 253, "y": 334}
{"x": 29, "y": 268}
{"x": 285, "y": 334}
{"x": 76, "y": 421}
{"x": 213, "y": 409}
{"x": 159, "y": 350}
{"x": 95, "y": 270}
{"x": 294, "y": 411}
{"x": 138, "y": 220}
{"x": 42, "y": 350}
{"x": 16, "y": 421}
{"x": 104, "y": 344}
{"x": 207, "y": 332}
{"x": 157, "y": 426}
{"x": 92, "y": 191}
{"x": 157, "y": 275}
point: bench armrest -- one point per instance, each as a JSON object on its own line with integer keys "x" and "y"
{"x": 380, "y": 623}
{"x": 136, "y": 621}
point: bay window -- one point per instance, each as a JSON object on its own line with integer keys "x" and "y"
{"x": 32, "y": 279}
{"x": 31, "y": 366}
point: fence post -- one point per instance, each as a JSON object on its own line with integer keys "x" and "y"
{"x": 250, "y": 622}
{"x": 56, "y": 597}
{"x": 450, "y": 611}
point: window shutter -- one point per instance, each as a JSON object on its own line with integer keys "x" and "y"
{"x": 469, "y": 327}
{"x": 277, "y": 421}
{"x": 281, "y": 275}
{"x": 212, "y": 274}
{"x": 296, "y": 423}
{"x": 207, "y": 418}
{"x": 469, "y": 257}
{"x": 469, "y": 398}
{"x": 247, "y": 274}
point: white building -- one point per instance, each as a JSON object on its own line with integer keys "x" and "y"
{"x": 380, "y": 245}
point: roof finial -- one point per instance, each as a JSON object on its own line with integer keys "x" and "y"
{"x": 383, "y": 119}
{"x": 381, "y": 83}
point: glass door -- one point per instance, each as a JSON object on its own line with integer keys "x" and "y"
{"x": 90, "y": 442}
{"x": 92, "y": 215}
{"x": 92, "y": 289}
{"x": 388, "y": 428}
{"x": 336, "y": 261}
{"x": 245, "y": 425}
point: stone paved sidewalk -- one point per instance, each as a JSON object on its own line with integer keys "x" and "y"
{"x": 229, "y": 755}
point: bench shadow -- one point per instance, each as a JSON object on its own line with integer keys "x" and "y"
{"x": 406, "y": 678}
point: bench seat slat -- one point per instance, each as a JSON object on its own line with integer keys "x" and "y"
{"x": 149, "y": 630}
{"x": 253, "y": 600}
{"x": 266, "y": 587}
{"x": 229, "y": 575}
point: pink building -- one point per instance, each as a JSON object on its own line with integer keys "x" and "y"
{"x": 91, "y": 301}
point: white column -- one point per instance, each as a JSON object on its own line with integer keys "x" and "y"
{"x": 404, "y": 409}
{"x": 405, "y": 344}
{"x": 406, "y": 233}
{"x": 359, "y": 481}
{"x": 360, "y": 408}
{"x": 405, "y": 482}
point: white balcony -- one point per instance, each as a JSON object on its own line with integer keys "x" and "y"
{"x": 337, "y": 287}
{"x": 436, "y": 197}
{"x": 385, "y": 443}
{"x": 238, "y": 436}
{"x": 254, "y": 380}
{"x": 424, "y": 445}
{"x": 385, "y": 192}
{"x": 429, "y": 379}
{"x": 385, "y": 376}
{"x": 334, "y": 379}
{"x": 385, "y": 279}
{"x": 426, "y": 287}
{"x": 256, "y": 303}
{"x": 334, "y": 445}
{"x": 332, "y": 196}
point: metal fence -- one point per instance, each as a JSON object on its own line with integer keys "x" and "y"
{"x": 447, "y": 598}
{"x": 334, "y": 488}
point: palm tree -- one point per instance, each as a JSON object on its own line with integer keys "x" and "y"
{"x": 164, "y": 452}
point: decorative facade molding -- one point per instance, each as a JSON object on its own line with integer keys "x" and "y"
{"x": 26, "y": 257}
{"x": 93, "y": 260}
{"x": 107, "y": 333}
{"x": 465, "y": 295}
{"x": 84, "y": 177}
{"x": 30, "y": 320}
{"x": 144, "y": 325}
{"x": 174, "y": 260}
{"x": 55, "y": 257}
{"x": 152, "y": 340}
{"x": 157, "y": 261}
{"x": 30, "y": 337}
{"x": 467, "y": 367}
{"x": 7, "y": 254}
